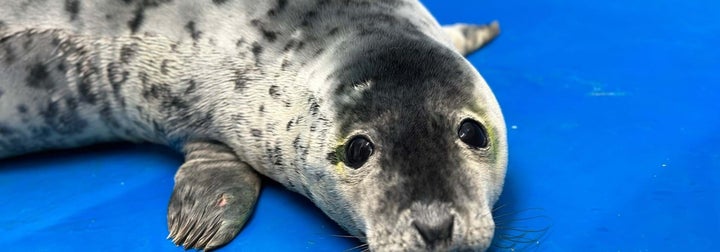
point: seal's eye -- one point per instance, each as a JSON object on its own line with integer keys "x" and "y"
{"x": 357, "y": 151}
{"x": 472, "y": 133}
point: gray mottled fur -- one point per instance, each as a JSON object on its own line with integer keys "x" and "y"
{"x": 275, "y": 87}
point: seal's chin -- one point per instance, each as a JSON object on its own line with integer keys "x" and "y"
{"x": 480, "y": 245}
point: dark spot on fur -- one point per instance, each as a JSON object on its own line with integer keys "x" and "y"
{"x": 219, "y": 2}
{"x": 117, "y": 77}
{"x": 300, "y": 45}
{"x": 296, "y": 143}
{"x": 197, "y": 120}
{"x": 290, "y": 44}
{"x": 289, "y": 125}
{"x": 73, "y": 8}
{"x": 157, "y": 91}
{"x": 272, "y": 12}
{"x": 85, "y": 91}
{"x": 319, "y": 176}
{"x": 39, "y": 77}
{"x": 6, "y": 130}
{"x": 256, "y": 132}
{"x": 308, "y": 194}
{"x": 56, "y": 41}
{"x": 84, "y": 84}
{"x": 318, "y": 52}
{"x": 174, "y": 102}
{"x": 194, "y": 33}
{"x": 284, "y": 64}
{"x": 3, "y": 25}
{"x": 279, "y": 8}
{"x": 28, "y": 42}
{"x": 192, "y": 85}
{"x": 63, "y": 118}
{"x": 276, "y": 156}
{"x": 9, "y": 52}
{"x": 307, "y": 19}
{"x": 274, "y": 91}
{"x": 281, "y": 5}
{"x": 61, "y": 67}
{"x": 290, "y": 184}
{"x": 301, "y": 150}
{"x": 240, "y": 80}
{"x": 1, "y": 93}
{"x": 164, "y": 66}
{"x": 257, "y": 50}
{"x": 333, "y": 31}
{"x": 40, "y": 132}
{"x": 71, "y": 103}
{"x": 145, "y": 80}
{"x": 158, "y": 129}
{"x": 262, "y": 108}
{"x": 270, "y": 36}
{"x": 22, "y": 108}
{"x": 173, "y": 47}
{"x": 314, "y": 107}
{"x": 238, "y": 118}
{"x": 106, "y": 115}
{"x": 137, "y": 20}
{"x": 256, "y": 22}
{"x": 128, "y": 52}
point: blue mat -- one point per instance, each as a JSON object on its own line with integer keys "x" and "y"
{"x": 613, "y": 116}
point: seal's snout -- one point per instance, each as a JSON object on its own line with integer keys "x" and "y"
{"x": 433, "y": 225}
{"x": 435, "y": 233}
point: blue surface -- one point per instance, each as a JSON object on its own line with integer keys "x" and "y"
{"x": 613, "y": 118}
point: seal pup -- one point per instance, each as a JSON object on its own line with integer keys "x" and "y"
{"x": 366, "y": 107}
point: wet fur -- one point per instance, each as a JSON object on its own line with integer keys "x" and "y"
{"x": 271, "y": 86}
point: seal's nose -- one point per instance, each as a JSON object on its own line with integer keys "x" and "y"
{"x": 435, "y": 233}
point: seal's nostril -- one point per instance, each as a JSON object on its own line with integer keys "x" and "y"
{"x": 435, "y": 233}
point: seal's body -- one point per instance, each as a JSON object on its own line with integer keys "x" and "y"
{"x": 365, "y": 107}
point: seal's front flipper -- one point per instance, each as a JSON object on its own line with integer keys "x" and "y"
{"x": 468, "y": 38}
{"x": 214, "y": 195}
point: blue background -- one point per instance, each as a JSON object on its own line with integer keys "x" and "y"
{"x": 613, "y": 121}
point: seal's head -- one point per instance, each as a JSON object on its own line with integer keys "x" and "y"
{"x": 420, "y": 151}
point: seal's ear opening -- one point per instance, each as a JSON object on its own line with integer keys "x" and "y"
{"x": 473, "y": 134}
{"x": 357, "y": 151}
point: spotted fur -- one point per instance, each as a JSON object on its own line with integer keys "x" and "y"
{"x": 273, "y": 87}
